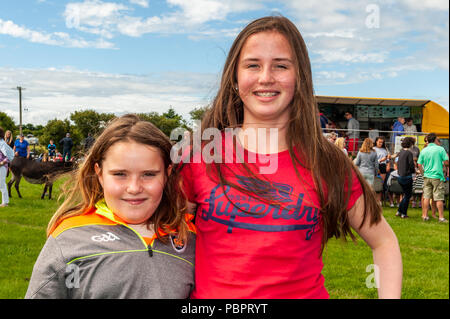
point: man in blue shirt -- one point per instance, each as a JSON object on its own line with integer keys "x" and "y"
{"x": 21, "y": 147}
{"x": 399, "y": 129}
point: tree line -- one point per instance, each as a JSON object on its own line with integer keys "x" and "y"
{"x": 80, "y": 123}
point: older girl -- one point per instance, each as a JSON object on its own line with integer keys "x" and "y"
{"x": 266, "y": 207}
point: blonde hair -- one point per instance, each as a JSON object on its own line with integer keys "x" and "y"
{"x": 340, "y": 142}
{"x": 367, "y": 146}
{"x": 85, "y": 190}
{"x": 10, "y": 138}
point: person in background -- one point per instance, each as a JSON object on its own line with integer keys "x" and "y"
{"x": 51, "y": 150}
{"x": 22, "y": 147}
{"x": 416, "y": 197}
{"x": 88, "y": 142}
{"x": 352, "y": 133}
{"x": 373, "y": 133}
{"x": 398, "y": 129}
{"x": 340, "y": 143}
{"x": 331, "y": 136}
{"x": 406, "y": 169}
{"x": 9, "y": 138}
{"x": 332, "y": 127}
{"x": 67, "y": 144}
{"x": 324, "y": 122}
{"x": 58, "y": 157}
{"x": 392, "y": 179}
{"x": 409, "y": 126}
{"x": 431, "y": 161}
{"x": 367, "y": 162}
{"x": 6, "y": 156}
{"x": 383, "y": 158}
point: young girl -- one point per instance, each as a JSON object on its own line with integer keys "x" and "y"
{"x": 122, "y": 231}
{"x": 261, "y": 233}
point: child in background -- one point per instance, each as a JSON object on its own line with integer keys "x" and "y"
{"x": 122, "y": 231}
{"x": 51, "y": 150}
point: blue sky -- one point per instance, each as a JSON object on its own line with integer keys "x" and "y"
{"x": 147, "y": 55}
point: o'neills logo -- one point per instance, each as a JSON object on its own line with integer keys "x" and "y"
{"x": 177, "y": 244}
{"x": 222, "y": 211}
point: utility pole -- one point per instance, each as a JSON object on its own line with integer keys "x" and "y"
{"x": 20, "y": 107}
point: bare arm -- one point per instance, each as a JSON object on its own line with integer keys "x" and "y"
{"x": 385, "y": 249}
{"x": 421, "y": 168}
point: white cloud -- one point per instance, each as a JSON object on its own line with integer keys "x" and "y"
{"x": 201, "y": 11}
{"x": 190, "y": 17}
{"x": 56, "y": 38}
{"x": 94, "y": 16}
{"x": 434, "y": 5}
{"x": 343, "y": 55}
{"x": 142, "y": 3}
{"x": 56, "y": 92}
{"x": 338, "y": 32}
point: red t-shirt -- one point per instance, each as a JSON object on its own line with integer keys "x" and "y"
{"x": 270, "y": 255}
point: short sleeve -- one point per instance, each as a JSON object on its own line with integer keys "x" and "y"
{"x": 356, "y": 190}
{"x": 187, "y": 181}
{"x": 444, "y": 155}
{"x": 419, "y": 160}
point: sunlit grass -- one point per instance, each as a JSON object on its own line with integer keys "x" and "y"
{"x": 424, "y": 246}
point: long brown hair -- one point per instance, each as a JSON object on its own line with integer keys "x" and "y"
{"x": 85, "y": 190}
{"x": 329, "y": 166}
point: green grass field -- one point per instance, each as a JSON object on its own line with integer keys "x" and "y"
{"x": 424, "y": 247}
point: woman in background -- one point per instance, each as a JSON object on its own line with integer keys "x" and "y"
{"x": 9, "y": 138}
{"x": 367, "y": 162}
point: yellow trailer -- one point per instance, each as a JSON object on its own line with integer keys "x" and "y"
{"x": 380, "y": 113}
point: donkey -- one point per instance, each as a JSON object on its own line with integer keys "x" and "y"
{"x": 36, "y": 173}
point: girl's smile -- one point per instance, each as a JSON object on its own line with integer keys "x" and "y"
{"x": 266, "y": 78}
{"x": 133, "y": 177}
